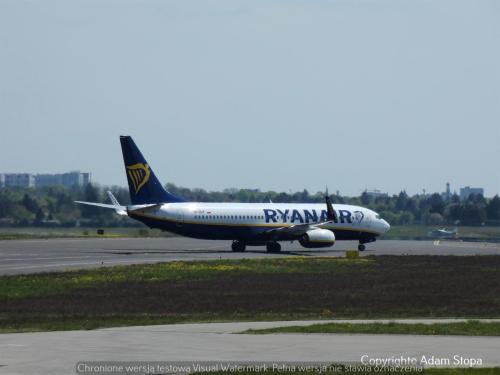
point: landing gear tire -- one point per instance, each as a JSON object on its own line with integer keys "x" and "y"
{"x": 361, "y": 247}
{"x": 273, "y": 247}
{"x": 238, "y": 246}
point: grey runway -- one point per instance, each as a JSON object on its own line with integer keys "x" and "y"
{"x": 59, "y": 352}
{"x": 31, "y": 256}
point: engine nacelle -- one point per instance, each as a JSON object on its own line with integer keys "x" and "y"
{"x": 317, "y": 238}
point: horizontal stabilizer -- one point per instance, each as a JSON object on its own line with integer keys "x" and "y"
{"x": 120, "y": 210}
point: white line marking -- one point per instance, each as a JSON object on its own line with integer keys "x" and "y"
{"x": 56, "y": 258}
{"x": 83, "y": 264}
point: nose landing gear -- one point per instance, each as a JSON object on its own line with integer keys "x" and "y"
{"x": 361, "y": 246}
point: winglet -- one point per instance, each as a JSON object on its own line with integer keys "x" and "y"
{"x": 112, "y": 198}
{"x": 119, "y": 209}
{"x": 330, "y": 212}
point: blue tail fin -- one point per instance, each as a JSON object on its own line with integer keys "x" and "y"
{"x": 143, "y": 185}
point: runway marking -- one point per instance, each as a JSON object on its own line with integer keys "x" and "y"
{"x": 54, "y": 255}
{"x": 134, "y": 261}
{"x": 54, "y": 258}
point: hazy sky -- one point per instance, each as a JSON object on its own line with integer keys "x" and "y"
{"x": 256, "y": 94}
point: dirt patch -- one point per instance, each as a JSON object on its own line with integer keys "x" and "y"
{"x": 389, "y": 286}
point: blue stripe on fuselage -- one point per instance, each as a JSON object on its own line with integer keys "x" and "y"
{"x": 223, "y": 231}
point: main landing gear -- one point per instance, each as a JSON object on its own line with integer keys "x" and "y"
{"x": 238, "y": 246}
{"x": 273, "y": 247}
{"x": 361, "y": 246}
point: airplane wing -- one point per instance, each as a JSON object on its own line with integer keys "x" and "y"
{"x": 298, "y": 230}
{"x": 295, "y": 231}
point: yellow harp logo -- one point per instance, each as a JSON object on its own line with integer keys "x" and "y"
{"x": 139, "y": 175}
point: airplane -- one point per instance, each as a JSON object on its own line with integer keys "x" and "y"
{"x": 246, "y": 224}
{"x": 443, "y": 233}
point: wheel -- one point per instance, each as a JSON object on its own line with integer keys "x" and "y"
{"x": 361, "y": 247}
{"x": 238, "y": 246}
{"x": 273, "y": 247}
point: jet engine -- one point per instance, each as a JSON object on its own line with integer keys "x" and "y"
{"x": 317, "y": 238}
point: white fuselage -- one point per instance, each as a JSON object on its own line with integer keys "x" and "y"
{"x": 233, "y": 220}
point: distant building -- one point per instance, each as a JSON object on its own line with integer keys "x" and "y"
{"x": 376, "y": 194}
{"x": 467, "y": 191}
{"x": 447, "y": 194}
{"x": 18, "y": 180}
{"x": 69, "y": 179}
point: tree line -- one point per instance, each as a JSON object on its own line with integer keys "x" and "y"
{"x": 54, "y": 206}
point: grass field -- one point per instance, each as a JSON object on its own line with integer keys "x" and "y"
{"x": 468, "y": 328}
{"x": 256, "y": 289}
{"x": 396, "y": 232}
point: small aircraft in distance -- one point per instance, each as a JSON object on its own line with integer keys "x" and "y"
{"x": 443, "y": 233}
{"x": 246, "y": 224}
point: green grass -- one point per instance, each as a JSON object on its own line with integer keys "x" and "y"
{"x": 23, "y": 233}
{"x": 44, "y": 284}
{"x": 421, "y": 231}
{"x": 468, "y": 328}
{"x": 287, "y": 288}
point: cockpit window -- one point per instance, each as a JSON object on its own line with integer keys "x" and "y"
{"x": 378, "y": 217}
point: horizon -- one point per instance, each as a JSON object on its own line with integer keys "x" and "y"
{"x": 288, "y": 191}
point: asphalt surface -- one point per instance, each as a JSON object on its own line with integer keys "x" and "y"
{"x": 59, "y": 352}
{"x": 31, "y": 256}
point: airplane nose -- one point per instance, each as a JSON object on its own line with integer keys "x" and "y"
{"x": 386, "y": 225}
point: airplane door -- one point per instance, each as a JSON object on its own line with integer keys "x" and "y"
{"x": 360, "y": 219}
{"x": 178, "y": 217}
